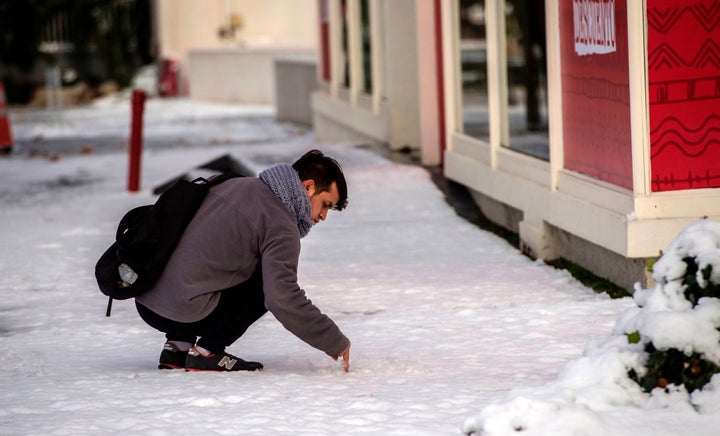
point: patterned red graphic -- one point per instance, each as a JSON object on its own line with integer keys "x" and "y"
{"x": 684, "y": 93}
{"x": 595, "y": 91}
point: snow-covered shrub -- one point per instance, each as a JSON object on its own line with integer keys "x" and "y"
{"x": 686, "y": 349}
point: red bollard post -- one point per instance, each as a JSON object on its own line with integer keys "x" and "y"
{"x": 135, "y": 150}
{"x": 6, "y": 141}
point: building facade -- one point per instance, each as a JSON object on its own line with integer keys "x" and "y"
{"x": 588, "y": 127}
{"x": 224, "y": 49}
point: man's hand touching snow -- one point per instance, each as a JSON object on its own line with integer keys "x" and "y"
{"x": 345, "y": 357}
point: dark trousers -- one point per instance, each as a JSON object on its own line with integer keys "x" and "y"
{"x": 238, "y": 308}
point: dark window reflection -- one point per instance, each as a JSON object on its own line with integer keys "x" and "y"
{"x": 527, "y": 116}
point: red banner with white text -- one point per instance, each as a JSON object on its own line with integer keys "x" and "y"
{"x": 595, "y": 89}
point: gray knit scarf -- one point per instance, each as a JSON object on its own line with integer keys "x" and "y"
{"x": 284, "y": 182}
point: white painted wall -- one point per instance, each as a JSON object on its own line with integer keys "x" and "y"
{"x": 184, "y": 25}
{"x": 402, "y": 79}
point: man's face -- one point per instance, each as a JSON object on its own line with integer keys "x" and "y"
{"x": 321, "y": 202}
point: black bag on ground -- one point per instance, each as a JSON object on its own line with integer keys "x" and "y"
{"x": 147, "y": 236}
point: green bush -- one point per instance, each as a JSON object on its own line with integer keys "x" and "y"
{"x": 671, "y": 366}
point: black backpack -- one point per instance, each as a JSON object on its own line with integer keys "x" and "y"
{"x": 147, "y": 236}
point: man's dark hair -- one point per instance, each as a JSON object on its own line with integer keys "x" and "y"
{"x": 314, "y": 165}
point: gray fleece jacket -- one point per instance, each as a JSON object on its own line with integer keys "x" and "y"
{"x": 241, "y": 225}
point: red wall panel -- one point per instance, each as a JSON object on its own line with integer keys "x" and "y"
{"x": 595, "y": 89}
{"x": 684, "y": 93}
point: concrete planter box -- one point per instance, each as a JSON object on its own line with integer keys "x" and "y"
{"x": 236, "y": 74}
{"x": 295, "y": 80}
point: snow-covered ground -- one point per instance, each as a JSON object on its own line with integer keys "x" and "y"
{"x": 445, "y": 319}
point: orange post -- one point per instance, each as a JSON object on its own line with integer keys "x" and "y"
{"x": 135, "y": 150}
{"x": 6, "y": 141}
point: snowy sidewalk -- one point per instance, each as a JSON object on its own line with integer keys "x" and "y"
{"x": 444, "y": 318}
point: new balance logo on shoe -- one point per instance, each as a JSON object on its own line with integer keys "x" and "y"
{"x": 196, "y": 361}
{"x": 227, "y": 362}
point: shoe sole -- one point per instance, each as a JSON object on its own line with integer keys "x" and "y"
{"x": 169, "y": 366}
{"x": 220, "y": 370}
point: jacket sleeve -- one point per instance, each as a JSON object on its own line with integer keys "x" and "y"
{"x": 288, "y": 302}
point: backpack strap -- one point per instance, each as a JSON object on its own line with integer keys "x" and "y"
{"x": 131, "y": 218}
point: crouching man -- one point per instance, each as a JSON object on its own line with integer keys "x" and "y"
{"x": 238, "y": 259}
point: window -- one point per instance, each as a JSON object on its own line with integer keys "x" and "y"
{"x": 356, "y": 46}
{"x": 526, "y": 116}
{"x": 345, "y": 44}
{"x": 473, "y": 66}
{"x": 521, "y": 86}
{"x": 366, "y": 42}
